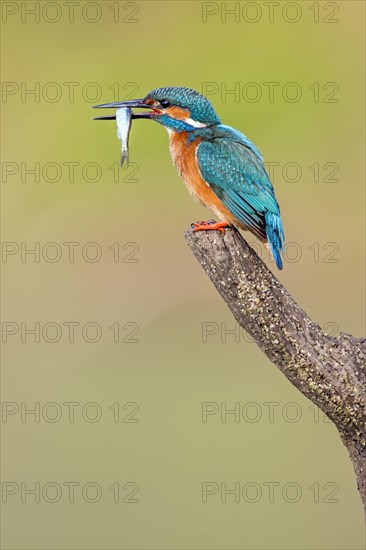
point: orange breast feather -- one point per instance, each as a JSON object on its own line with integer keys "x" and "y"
{"x": 183, "y": 155}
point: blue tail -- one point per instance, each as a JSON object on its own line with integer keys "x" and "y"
{"x": 275, "y": 236}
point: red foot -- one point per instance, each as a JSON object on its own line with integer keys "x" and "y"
{"x": 210, "y": 226}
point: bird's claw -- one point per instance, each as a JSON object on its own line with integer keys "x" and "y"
{"x": 209, "y": 225}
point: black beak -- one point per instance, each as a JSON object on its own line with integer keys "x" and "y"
{"x": 134, "y": 103}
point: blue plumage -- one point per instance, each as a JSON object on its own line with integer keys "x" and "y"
{"x": 233, "y": 167}
{"x": 199, "y": 107}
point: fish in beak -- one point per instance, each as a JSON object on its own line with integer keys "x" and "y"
{"x": 124, "y": 116}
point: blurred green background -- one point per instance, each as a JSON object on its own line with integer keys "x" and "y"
{"x": 154, "y": 292}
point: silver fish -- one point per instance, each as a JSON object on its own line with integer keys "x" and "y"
{"x": 124, "y": 118}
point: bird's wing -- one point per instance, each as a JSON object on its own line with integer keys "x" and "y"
{"x": 237, "y": 176}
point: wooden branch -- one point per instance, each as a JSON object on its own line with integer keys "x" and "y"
{"x": 329, "y": 370}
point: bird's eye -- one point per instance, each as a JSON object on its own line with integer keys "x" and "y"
{"x": 165, "y": 103}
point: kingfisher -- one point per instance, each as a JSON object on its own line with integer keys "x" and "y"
{"x": 222, "y": 169}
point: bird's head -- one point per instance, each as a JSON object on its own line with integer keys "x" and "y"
{"x": 178, "y": 109}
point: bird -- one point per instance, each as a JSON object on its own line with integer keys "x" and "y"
{"x": 222, "y": 169}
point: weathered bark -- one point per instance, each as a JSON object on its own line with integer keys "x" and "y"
{"x": 329, "y": 370}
